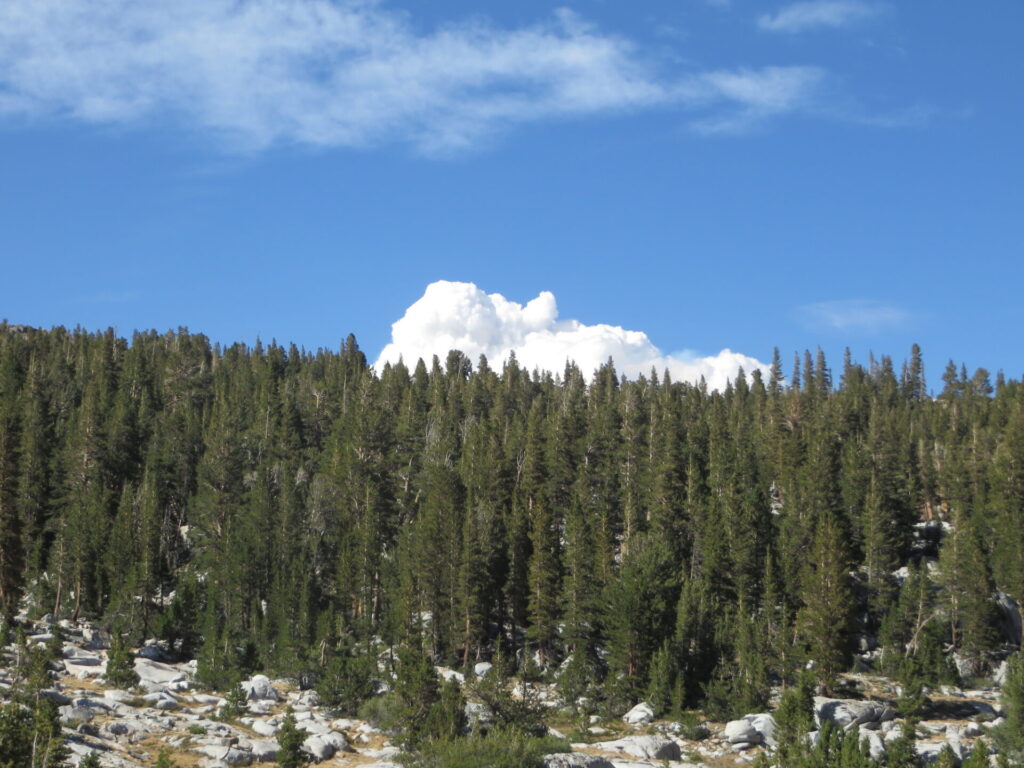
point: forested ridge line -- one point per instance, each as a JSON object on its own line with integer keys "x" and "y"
{"x": 271, "y": 509}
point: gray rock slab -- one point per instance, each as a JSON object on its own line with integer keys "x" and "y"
{"x": 645, "y": 747}
{"x": 576, "y": 760}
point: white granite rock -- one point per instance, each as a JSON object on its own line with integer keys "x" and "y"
{"x": 741, "y": 732}
{"x": 260, "y": 689}
{"x": 318, "y": 747}
{"x": 265, "y": 727}
{"x": 645, "y": 747}
{"x": 576, "y": 760}
{"x": 641, "y": 714}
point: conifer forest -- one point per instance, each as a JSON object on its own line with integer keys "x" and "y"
{"x": 269, "y": 510}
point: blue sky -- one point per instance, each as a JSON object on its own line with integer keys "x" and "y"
{"x": 715, "y": 174}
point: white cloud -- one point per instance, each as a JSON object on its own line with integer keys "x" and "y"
{"x": 461, "y": 316}
{"x": 759, "y": 95}
{"x": 799, "y": 17}
{"x": 863, "y": 315}
{"x": 342, "y": 72}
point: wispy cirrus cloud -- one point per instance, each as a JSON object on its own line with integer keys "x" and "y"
{"x": 855, "y": 315}
{"x": 348, "y": 73}
{"x": 758, "y": 95}
{"x": 816, "y": 14}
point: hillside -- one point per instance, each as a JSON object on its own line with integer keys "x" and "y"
{"x": 272, "y": 511}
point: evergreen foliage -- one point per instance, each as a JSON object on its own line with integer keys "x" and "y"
{"x": 235, "y": 704}
{"x": 1011, "y": 735}
{"x": 346, "y": 681}
{"x": 495, "y": 750}
{"x": 273, "y": 509}
{"x": 120, "y": 664}
{"x": 30, "y": 729}
{"x": 290, "y": 739}
{"x": 511, "y": 711}
{"x": 794, "y": 719}
{"x": 30, "y": 735}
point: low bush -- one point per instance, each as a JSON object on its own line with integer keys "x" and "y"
{"x": 382, "y": 712}
{"x": 497, "y": 749}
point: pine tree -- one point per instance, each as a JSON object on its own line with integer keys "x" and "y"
{"x": 968, "y": 588}
{"x": 1007, "y": 501}
{"x": 581, "y": 602}
{"x": 545, "y": 558}
{"x": 515, "y": 711}
{"x": 15, "y": 736}
{"x": 34, "y": 457}
{"x": 447, "y": 717}
{"x": 824, "y": 620}
{"x": 979, "y": 757}
{"x": 120, "y": 665}
{"x": 417, "y": 691}
{"x": 694, "y": 639}
{"x": 347, "y": 680}
{"x": 290, "y": 740}
{"x": 888, "y": 515}
{"x": 235, "y": 704}
{"x": 794, "y": 719}
{"x": 639, "y": 613}
{"x": 11, "y": 544}
{"x": 662, "y": 691}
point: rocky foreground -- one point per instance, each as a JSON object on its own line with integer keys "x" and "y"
{"x": 165, "y": 711}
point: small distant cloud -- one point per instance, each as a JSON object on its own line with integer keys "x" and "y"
{"x": 858, "y": 315}
{"x": 817, "y": 14}
{"x": 757, "y": 95}
{"x": 110, "y": 297}
{"x": 909, "y": 117}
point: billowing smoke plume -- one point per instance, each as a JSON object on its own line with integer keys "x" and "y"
{"x": 461, "y": 316}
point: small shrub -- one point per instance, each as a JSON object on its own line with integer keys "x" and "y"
{"x": 523, "y": 712}
{"x": 902, "y": 752}
{"x": 498, "y": 749}
{"x": 346, "y": 681}
{"x": 290, "y": 739}
{"x": 382, "y": 712}
{"x": 661, "y": 686}
{"x": 235, "y": 703}
{"x": 691, "y": 728}
{"x": 120, "y": 665}
{"x": 697, "y": 732}
{"x": 447, "y": 716}
{"x": 978, "y": 757}
{"x": 196, "y": 730}
{"x": 912, "y": 700}
{"x": 55, "y": 645}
